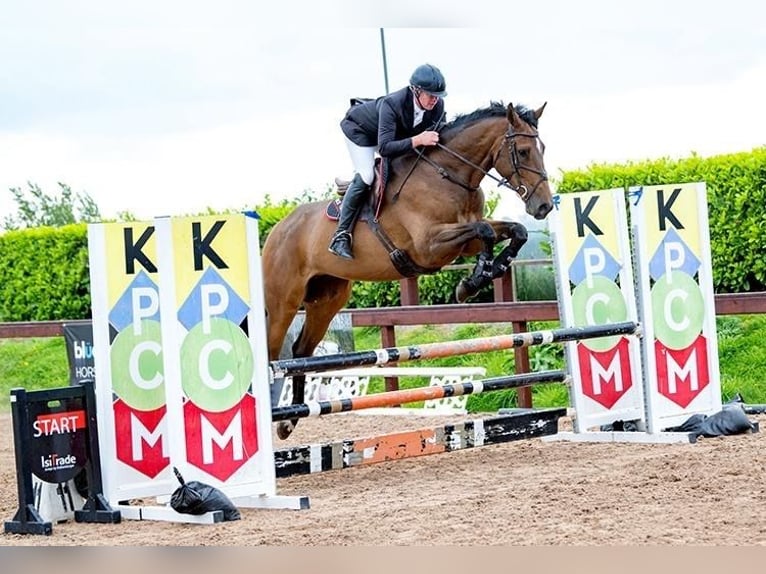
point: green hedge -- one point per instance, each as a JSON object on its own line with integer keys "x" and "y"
{"x": 44, "y": 271}
{"x": 736, "y": 189}
{"x": 44, "y": 274}
{"x": 435, "y": 289}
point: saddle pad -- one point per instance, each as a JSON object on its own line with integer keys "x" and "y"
{"x": 332, "y": 211}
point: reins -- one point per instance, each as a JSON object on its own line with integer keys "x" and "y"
{"x": 524, "y": 193}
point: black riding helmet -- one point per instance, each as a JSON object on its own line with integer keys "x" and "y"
{"x": 429, "y": 79}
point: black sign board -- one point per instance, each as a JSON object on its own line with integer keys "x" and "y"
{"x": 79, "y": 351}
{"x": 55, "y": 438}
{"x": 58, "y": 438}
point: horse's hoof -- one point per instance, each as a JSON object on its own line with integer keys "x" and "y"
{"x": 461, "y": 292}
{"x": 285, "y": 429}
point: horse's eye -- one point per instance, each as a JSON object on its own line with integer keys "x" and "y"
{"x": 524, "y": 153}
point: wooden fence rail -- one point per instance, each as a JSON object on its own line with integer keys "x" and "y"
{"x": 518, "y": 313}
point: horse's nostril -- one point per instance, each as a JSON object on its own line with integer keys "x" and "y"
{"x": 543, "y": 210}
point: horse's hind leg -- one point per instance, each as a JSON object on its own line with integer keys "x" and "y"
{"x": 326, "y": 296}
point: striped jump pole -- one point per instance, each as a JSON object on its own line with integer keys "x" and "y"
{"x": 286, "y": 367}
{"x": 450, "y": 437}
{"x": 391, "y": 398}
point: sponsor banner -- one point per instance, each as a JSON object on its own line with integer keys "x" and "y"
{"x": 127, "y": 350}
{"x": 674, "y": 274}
{"x": 214, "y": 352}
{"x": 595, "y": 284}
{"x": 79, "y": 352}
{"x": 58, "y": 439}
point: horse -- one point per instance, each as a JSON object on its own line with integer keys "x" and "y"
{"x": 432, "y": 213}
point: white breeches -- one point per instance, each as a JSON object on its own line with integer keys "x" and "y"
{"x": 363, "y": 159}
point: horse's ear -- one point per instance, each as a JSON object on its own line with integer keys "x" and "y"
{"x": 513, "y": 116}
{"x": 539, "y": 111}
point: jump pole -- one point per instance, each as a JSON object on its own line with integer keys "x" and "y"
{"x": 391, "y": 398}
{"x": 287, "y": 367}
{"x": 336, "y": 455}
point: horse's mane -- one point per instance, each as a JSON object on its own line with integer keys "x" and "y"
{"x": 494, "y": 110}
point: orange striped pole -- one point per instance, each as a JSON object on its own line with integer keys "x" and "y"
{"x": 392, "y": 398}
{"x": 299, "y": 365}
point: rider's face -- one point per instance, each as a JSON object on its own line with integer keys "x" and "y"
{"x": 426, "y": 100}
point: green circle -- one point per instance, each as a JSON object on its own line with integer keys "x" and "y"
{"x": 601, "y": 303}
{"x": 216, "y": 367}
{"x": 678, "y": 310}
{"x": 136, "y": 366}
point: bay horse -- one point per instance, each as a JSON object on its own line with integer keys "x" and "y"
{"x": 432, "y": 212}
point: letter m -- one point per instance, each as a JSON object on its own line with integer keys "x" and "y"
{"x": 678, "y": 372}
{"x": 140, "y": 435}
{"x": 612, "y": 371}
{"x": 232, "y": 434}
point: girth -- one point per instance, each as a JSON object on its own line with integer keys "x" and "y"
{"x": 399, "y": 258}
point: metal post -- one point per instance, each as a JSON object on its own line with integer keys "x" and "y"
{"x": 383, "y": 50}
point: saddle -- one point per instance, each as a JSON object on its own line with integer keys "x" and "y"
{"x": 372, "y": 207}
{"x": 370, "y": 212}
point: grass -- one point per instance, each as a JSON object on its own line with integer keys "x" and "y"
{"x": 742, "y": 357}
{"x": 742, "y": 360}
{"x": 497, "y": 363}
{"x": 33, "y": 364}
{"x": 36, "y": 364}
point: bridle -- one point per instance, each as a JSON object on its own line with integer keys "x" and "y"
{"x": 524, "y": 193}
{"x": 510, "y": 142}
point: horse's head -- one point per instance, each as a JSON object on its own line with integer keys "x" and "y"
{"x": 519, "y": 160}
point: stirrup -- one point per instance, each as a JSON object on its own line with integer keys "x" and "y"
{"x": 343, "y": 247}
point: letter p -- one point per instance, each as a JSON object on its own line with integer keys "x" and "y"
{"x": 215, "y": 301}
{"x": 594, "y": 262}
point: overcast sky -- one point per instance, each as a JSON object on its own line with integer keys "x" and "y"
{"x": 170, "y": 107}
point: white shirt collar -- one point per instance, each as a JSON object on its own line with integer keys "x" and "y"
{"x": 418, "y": 117}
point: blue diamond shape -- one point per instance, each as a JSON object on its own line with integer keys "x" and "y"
{"x": 190, "y": 313}
{"x": 657, "y": 264}
{"x": 121, "y": 314}
{"x": 578, "y": 271}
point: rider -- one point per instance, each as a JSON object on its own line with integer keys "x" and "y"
{"x": 391, "y": 125}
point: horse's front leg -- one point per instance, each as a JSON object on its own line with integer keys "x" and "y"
{"x": 482, "y": 271}
{"x": 487, "y": 268}
{"x": 517, "y": 234}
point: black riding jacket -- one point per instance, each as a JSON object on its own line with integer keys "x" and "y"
{"x": 387, "y": 122}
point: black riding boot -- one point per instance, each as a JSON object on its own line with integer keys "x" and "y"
{"x": 353, "y": 200}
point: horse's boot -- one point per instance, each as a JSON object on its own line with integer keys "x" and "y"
{"x": 353, "y": 200}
